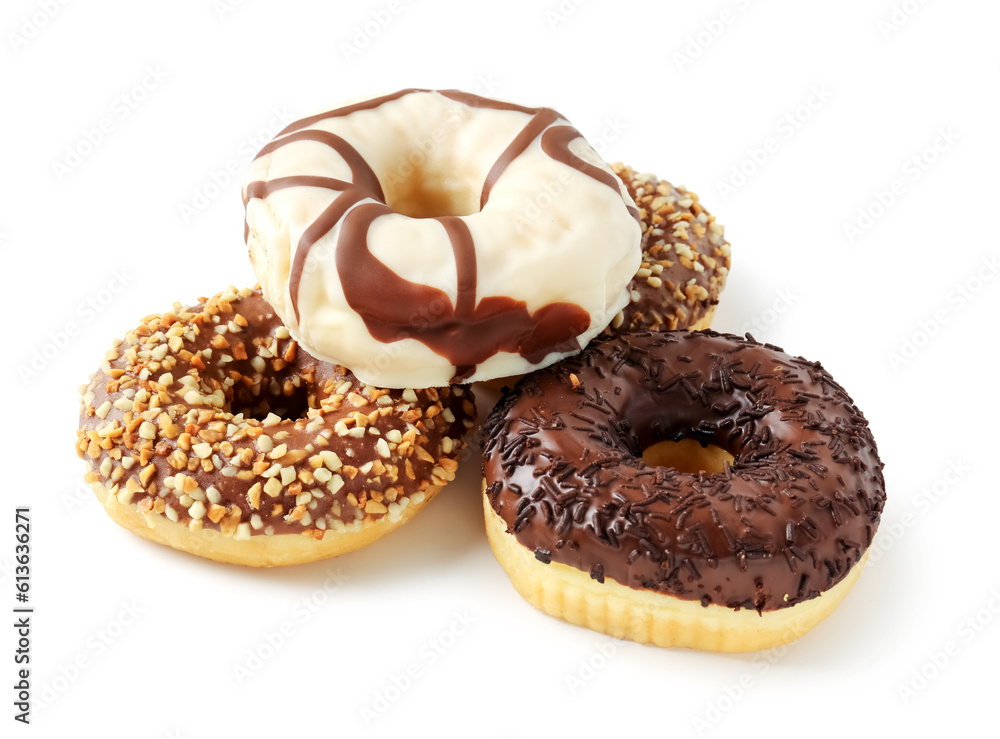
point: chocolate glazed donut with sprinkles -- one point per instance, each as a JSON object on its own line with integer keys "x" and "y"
{"x": 683, "y": 489}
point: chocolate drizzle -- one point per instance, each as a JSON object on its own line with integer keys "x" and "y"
{"x": 343, "y": 111}
{"x": 785, "y": 522}
{"x": 555, "y": 143}
{"x": 362, "y": 175}
{"x": 394, "y": 308}
{"x": 319, "y": 228}
{"x": 465, "y": 265}
{"x": 539, "y": 122}
{"x": 468, "y": 332}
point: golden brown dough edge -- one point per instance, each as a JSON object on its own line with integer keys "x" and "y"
{"x": 258, "y": 551}
{"x": 648, "y": 617}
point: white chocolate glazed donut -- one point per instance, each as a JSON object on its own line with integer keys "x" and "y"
{"x": 424, "y": 238}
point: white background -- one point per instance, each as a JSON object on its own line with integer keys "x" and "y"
{"x": 825, "y": 107}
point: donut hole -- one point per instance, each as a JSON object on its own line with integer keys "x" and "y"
{"x": 288, "y": 401}
{"x": 426, "y": 193}
{"x": 687, "y": 455}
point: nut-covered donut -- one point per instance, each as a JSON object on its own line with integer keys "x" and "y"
{"x": 685, "y": 259}
{"x": 743, "y": 554}
{"x": 430, "y": 237}
{"x": 208, "y": 429}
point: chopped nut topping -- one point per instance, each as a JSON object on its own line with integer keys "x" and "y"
{"x": 158, "y": 432}
{"x": 669, "y": 215}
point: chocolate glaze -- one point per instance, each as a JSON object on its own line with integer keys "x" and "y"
{"x": 786, "y": 521}
{"x": 394, "y": 308}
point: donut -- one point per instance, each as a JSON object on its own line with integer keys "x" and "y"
{"x": 426, "y": 238}
{"x": 209, "y": 430}
{"x": 685, "y": 259}
{"x": 599, "y": 516}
